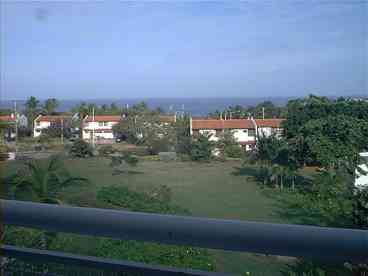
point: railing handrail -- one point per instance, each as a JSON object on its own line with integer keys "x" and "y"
{"x": 328, "y": 244}
{"x": 104, "y": 264}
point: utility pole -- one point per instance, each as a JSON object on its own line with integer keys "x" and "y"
{"x": 16, "y": 125}
{"x": 93, "y": 127}
{"x": 263, "y": 113}
{"x": 62, "y": 130}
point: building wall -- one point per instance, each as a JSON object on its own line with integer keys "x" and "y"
{"x": 39, "y": 126}
{"x": 242, "y": 135}
{"x": 268, "y": 131}
{"x": 103, "y": 130}
{"x": 211, "y": 132}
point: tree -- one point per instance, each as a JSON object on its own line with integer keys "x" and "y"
{"x": 336, "y": 141}
{"x": 81, "y": 149}
{"x": 182, "y": 134}
{"x": 228, "y": 146}
{"x": 143, "y": 127}
{"x": 41, "y": 181}
{"x": 50, "y": 106}
{"x": 360, "y": 208}
{"x": 202, "y": 148}
{"x": 31, "y": 110}
{"x": 57, "y": 128}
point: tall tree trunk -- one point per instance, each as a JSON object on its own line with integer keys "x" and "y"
{"x": 293, "y": 182}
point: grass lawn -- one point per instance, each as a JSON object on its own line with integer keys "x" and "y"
{"x": 212, "y": 190}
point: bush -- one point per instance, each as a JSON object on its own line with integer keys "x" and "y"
{"x": 233, "y": 151}
{"x": 124, "y": 198}
{"x": 202, "y": 149}
{"x": 81, "y": 149}
{"x": 158, "y": 145}
{"x": 106, "y": 150}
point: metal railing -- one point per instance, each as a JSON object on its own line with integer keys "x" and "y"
{"x": 320, "y": 243}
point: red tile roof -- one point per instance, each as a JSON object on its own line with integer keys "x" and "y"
{"x": 104, "y": 118}
{"x": 222, "y": 124}
{"x": 274, "y": 123}
{"x": 53, "y": 118}
{"x": 7, "y": 118}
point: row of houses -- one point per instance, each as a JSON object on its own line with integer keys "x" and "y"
{"x": 245, "y": 131}
{"x": 100, "y": 127}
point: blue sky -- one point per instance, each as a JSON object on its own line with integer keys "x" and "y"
{"x": 86, "y": 49}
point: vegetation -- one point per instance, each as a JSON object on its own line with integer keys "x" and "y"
{"x": 41, "y": 180}
{"x": 155, "y": 202}
{"x": 329, "y": 134}
{"x": 202, "y": 148}
{"x": 81, "y": 149}
{"x": 32, "y": 110}
{"x": 266, "y": 109}
{"x": 228, "y": 146}
{"x": 118, "y": 162}
{"x": 50, "y": 106}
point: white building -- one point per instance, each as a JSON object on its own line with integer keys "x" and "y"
{"x": 268, "y": 127}
{"x": 100, "y": 126}
{"x": 361, "y": 180}
{"x": 9, "y": 120}
{"x": 244, "y": 130}
{"x": 45, "y": 121}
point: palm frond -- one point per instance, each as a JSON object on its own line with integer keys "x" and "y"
{"x": 54, "y": 163}
{"x": 73, "y": 179}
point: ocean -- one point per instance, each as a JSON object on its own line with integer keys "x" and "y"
{"x": 193, "y": 106}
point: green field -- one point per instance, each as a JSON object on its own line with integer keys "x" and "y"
{"x": 212, "y": 190}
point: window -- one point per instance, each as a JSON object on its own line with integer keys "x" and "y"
{"x": 251, "y": 132}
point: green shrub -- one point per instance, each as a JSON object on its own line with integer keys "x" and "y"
{"x": 147, "y": 252}
{"x": 81, "y": 149}
{"x": 157, "y": 145}
{"x": 233, "y": 151}
{"x": 202, "y": 148}
{"x": 106, "y": 150}
{"x": 124, "y": 198}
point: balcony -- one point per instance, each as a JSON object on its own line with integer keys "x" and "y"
{"x": 318, "y": 243}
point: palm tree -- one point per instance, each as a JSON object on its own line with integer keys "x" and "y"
{"x": 41, "y": 181}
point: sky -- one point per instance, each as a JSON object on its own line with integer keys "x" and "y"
{"x": 90, "y": 50}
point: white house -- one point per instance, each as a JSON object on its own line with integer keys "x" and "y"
{"x": 100, "y": 126}
{"x": 268, "y": 127}
{"x": 361, "y": 180}
{"x": 244, "y": 130}
{"x": 10, "y": 121}
{"x": 45, "y": 121}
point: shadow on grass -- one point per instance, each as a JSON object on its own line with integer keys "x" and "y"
{"x": 118, "y": 172}
{"x": 289, "y": 209}
{"x": 245, "y": 171}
